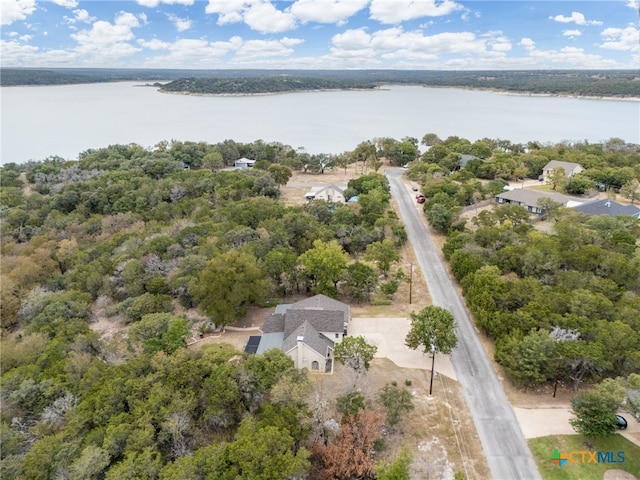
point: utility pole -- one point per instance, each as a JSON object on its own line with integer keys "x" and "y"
{"x": 410, "y": 282}
{"x": 433, "y": 364}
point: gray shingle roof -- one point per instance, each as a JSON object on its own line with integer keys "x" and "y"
{"x": 309, "y": 318}
{"x": 531, "y": 197}
{"x": 311, "y": 337}
{"x": 607, "y": 207}
{"x": 273, "y": 323}
{"x": 321, "y": 302}
{"x": 322, "y": 320}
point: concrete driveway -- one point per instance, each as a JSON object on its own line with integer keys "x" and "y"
{"x": 388, "y": 335}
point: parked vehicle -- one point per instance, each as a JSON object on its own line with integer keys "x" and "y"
{"x": 420, "y": 198}
{"x": 621, "y": 422}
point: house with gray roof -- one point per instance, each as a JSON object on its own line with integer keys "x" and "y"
{"x": 570, "y": 168}
{"x": 529, "y": 199}
{"x": 608, "y": 207}
{"x": 307, "y": 331}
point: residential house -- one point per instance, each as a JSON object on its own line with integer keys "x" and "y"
{"x": 244, "y": 163}
{"x": 307, "y": 331}
{"x": 329, "y": 193}
{"x": 570, "y": 168}
{"x": 608, "y": 207}
{"x": 529, "y": 199}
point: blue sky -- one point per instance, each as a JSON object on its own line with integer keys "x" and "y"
{"x": 322, "y": 34}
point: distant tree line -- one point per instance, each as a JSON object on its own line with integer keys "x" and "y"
{"x": 608, "y": 83}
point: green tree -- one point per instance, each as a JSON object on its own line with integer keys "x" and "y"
{"x": 159, "y": 331}
{"x": 355, "y": 353}
{"x": 396, "y": 400}
{"x": 398, "y": 469}
{"x": 558, "y": 179}
{"x": 383, "y": 254}
{"x": 228, "y": 284}
{"x": 432, "y": 330}
{"x": 280, "y": 173}
{"x": 325, "y": 264}
{"x": 213, "y": 161}
{"x": 359, "y": 281}
{"x": 350, "y": 404}
{"x": 266, "y": 453}
{"x": 595, "y": 411}
{"x": 529, "y": 360}
{"x": 631, "y": 190}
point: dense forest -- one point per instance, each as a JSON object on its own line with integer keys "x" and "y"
{"x": 560, "y": 303}
{"x": 606, "y": 83}
{"x": 139, "y": 237}
{"x": 145, "y": 237}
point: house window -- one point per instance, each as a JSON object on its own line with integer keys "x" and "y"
{"x": 337, "y": 335}
{"x": 315, "y": 365}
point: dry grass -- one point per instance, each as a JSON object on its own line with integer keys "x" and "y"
{"x": 439, "y": 432}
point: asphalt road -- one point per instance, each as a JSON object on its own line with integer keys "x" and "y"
{"x": 503, "y": 442}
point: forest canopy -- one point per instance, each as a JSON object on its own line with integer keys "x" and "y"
{"x": 598, "y": 83}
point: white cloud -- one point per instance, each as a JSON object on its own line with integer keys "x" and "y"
{"x": 79, "y": 15}
{"x": 265, "y": 48}
{"x": 13, "y": 10}
{"x": 181, "y": 24}
{"x": 572, "y": 33}
{"x": 576, "y": 17}
{"x": 527, "y": 43}
{"x": 259, "y": 15}
{"x": 230, "y": 11}
{"x": 621, "y": 38}
{"x": 105, "y": 38}
{"x": 190, "y": 53}
{"x": 265, "y": 18}
{"x": 155, "y": 3}
{"x": 396, "y": 11}
{"x": 635, "y": 4}
{"x": 396, "y": 44}
{"x": 326, "y": 11}
{"x": 66, "y": 3}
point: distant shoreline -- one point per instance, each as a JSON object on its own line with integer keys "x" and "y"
{"x": 386, "y": 87}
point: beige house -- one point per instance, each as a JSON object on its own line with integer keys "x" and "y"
{"x": 570, "y": 169}
{"x": 329, "y": 193}
{"x": 307, "y": 331}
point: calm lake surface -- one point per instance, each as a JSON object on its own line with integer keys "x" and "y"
{"x": 65, "y": 120}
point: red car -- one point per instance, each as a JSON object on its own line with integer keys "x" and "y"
{"x": 420, "y": 198}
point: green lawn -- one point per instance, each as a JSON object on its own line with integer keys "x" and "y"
{"x": 543, "y": 447}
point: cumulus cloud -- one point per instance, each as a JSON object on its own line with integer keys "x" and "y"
{"x": 79, "y": 15}
{"x": 395, "y": 43}
{"x": 576, "y": 17}
{"x": 13, "y": 10}
{"x": 620, "y": 38}
{"x": 396, "y": 11}
{"x": 155, "y": 3}
{"x": 572, "y": 33}
{"x": 326, "y": 11}
{"x": 259, "y": 15}
{"x": 527, "y": 43}
{"x": 108, "y": 38}
{"x": 265, "y": 18}
{"x": 66, "y": 3}
{"x": 181, "y": 24}
{"x": 635, "y": 4}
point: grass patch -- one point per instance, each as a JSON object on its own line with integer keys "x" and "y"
{"x": 542, "y": 450}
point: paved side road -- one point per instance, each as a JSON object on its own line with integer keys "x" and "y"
{"x": 504, "y": 444}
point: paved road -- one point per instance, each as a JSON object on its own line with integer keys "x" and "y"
{"x": 504, "y": 445}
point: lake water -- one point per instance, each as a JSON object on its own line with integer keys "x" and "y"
{"x": 65, "y": 120}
